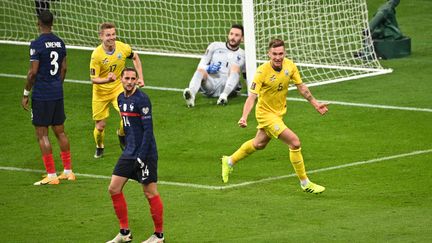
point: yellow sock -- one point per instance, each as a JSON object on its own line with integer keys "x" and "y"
{"x": 99, "y": 137}
{"x": 296, "y": 158}
{"x": 245, "y": 150}
{"x": 120, "y": 131}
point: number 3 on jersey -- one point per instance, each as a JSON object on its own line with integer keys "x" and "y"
{"x": 54, "y": 58}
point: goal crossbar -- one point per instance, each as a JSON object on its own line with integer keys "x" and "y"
{"x": 328, "y": 40}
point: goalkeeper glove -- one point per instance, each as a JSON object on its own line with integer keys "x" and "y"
{"x": 213, "y": 68}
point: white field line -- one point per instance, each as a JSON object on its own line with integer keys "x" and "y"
{"x": 199, "y": 186}
{"x": 331, "y": 102}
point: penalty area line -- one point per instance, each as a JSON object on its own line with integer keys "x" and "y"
{"x": 247, "y": 183}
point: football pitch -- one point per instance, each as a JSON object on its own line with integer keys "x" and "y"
{"x": 372, "y": 151}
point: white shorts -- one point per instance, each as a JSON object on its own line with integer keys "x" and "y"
{"x": 214, "y": 86}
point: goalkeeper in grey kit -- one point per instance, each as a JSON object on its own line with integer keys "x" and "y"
{"x": 218, "y": 73}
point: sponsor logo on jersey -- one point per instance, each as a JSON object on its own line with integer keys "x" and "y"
{"x": 105, "y": 61}
{"x": 272, "y": 78}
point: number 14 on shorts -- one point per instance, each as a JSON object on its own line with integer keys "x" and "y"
{"x": 144, "y": 170}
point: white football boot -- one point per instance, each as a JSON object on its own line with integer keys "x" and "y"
{"x": 223, "y": 99}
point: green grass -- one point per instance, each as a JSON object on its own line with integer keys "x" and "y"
{"x": 386, "y": 201}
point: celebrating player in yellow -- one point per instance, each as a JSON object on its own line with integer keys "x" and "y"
{"x": 270, "y": 86}
{"x": 107, "y": 62}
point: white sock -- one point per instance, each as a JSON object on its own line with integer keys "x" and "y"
{"x": 195, "y": 82}
{"x": 52, "y": 175}
{"x": 231, "y": 83}
{"x": 230, "y": 163}
{"x": 67, "y": 171}
{"x": 304, "y": 182}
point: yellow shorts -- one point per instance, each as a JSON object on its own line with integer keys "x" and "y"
{"x": 272, "y": 125}
{"x": 100, "y": 105}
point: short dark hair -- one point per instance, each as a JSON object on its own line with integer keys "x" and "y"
{"x": 106, "y": 25}
{"x": 46, "y": 18}
{"x": 276, "y": 43}
{"x": 129, "y": 69}
{"x": 238, "y": 26}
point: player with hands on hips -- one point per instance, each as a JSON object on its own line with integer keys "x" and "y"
{"x": 218, "y": 73}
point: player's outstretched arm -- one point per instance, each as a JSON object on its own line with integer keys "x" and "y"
{"x": 137, "y": 64}
{"x": 305, "y": 92}
{"x": 247, "y": 108}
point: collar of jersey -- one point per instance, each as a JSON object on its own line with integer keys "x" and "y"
{"x": 229, "y": 48}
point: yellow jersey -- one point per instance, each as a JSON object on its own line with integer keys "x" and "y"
{"x": 271, "y": 86}
{"x": 102, "y": 63}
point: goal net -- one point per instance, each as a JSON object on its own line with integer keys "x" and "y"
{"x": 328, "y": 39}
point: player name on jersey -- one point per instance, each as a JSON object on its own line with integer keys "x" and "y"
{"x": 54, "y": 44}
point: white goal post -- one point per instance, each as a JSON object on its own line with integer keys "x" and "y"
{"x": 328, "y": 39}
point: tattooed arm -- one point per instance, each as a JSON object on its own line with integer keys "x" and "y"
{"x": 305, "y": 92}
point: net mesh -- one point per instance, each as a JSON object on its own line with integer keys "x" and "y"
{"x": 328, "y": 39}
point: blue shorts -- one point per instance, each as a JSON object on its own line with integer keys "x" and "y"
{"x": 145, "y": 172}
{"x": 48, "y": 113}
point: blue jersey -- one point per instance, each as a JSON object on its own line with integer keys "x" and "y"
{"x": 50, "y": 51}
{"x": 136, "y": 112}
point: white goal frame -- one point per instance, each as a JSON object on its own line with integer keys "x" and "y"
{"x": 255, "y": 34}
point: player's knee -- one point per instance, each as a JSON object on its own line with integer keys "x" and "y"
{"x": 43, "y": 140}
{"x": 100, "y": 126}
{"x": 295, "y": 144}
{"x": 150, "y": 190}
{"x": 202, "y": 73}
{"x": 260, "y": 145}
{"x": 150, "y": 194}
{"x": 40, "y": 136}
{"x": 113, "y": 190}
{"x": 60, "y": 134}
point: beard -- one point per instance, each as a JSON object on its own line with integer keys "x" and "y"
{"x": 233, "y": 43}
